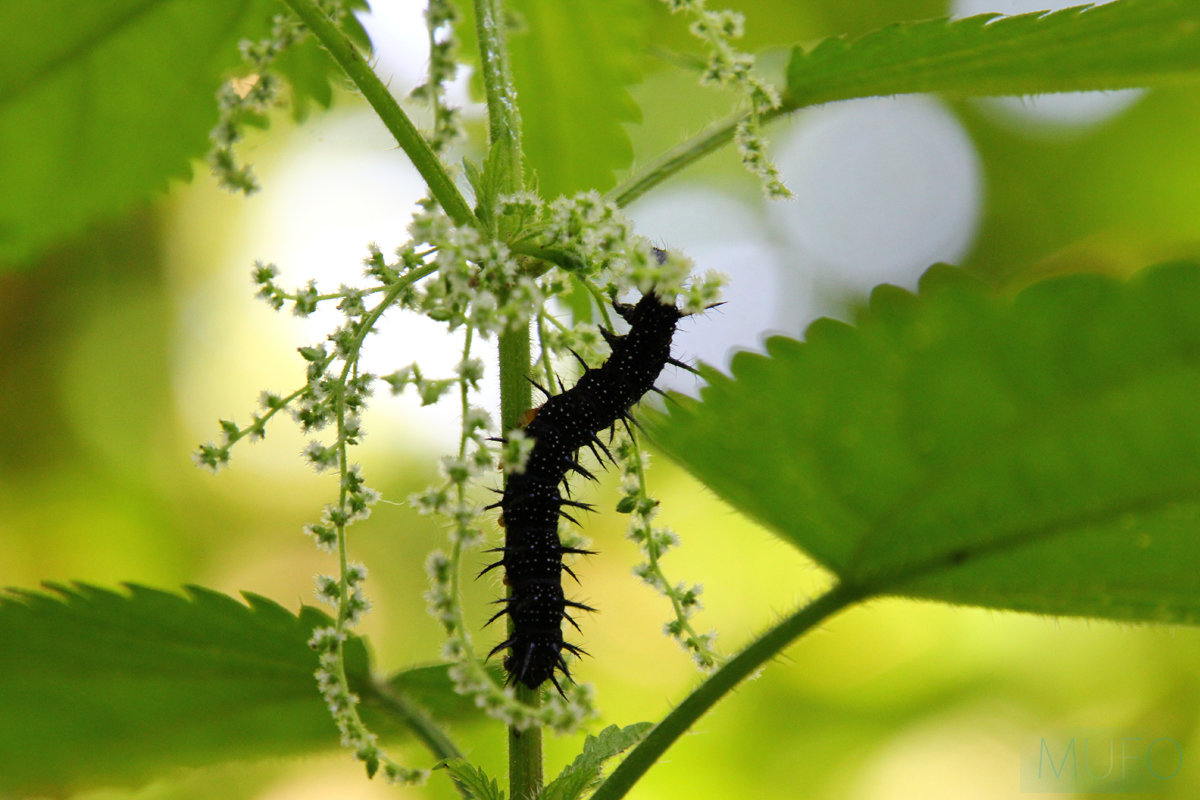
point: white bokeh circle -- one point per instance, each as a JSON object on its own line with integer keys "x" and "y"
{"x": 883, "y": 187}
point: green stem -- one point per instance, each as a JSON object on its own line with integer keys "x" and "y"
{"x": 675, "y": 724}
{"x": 563, "y": 258}
{"x": 401, "y": 127}
{"x": 504, "y": 136}
{"x": 516, "y": 395}
{"x": 524, "y": 746}
{"x": 504, "y": 117}
{"x": 681, "y": 156}
{"x": 525, "y": 778}
{"x": 673, "y": 161}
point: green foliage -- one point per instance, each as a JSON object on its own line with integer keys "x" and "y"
{"x": 1036, "y": 454}
{"x": 571, "y": 63}
{"x": 1118, "y": 45}
{"x": 101, "y": 104}
{"x": 584, "y": 772}
{"x": 473, "y": 781}
{"x": 564, "y": 55}
{"x": 102, "y": 687}
{"x": 1033, "y": 454}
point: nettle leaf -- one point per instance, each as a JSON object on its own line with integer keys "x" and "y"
{"x": 571, "y": 63}
{"x": 477, "y": 784}
{"x": 1039, "y": 454}
{"x": 102, "y": 103}
{"x": 1126, "y": 43}
{"x": 124, "y": 687}
{"x": 584, "y": 772}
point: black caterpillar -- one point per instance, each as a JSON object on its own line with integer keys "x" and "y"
{"x": 532, "y": 502}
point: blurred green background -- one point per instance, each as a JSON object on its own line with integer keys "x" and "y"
{"x": 126, "y": 343}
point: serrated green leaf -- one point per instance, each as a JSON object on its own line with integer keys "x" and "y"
{"x": 102, "y": 688}
{"x": 571, "y": 63}
{"x": 1126, "y": 43}
{"x": 102, "y": 103}
{"x": 584, "y": 772}
{"x": 486, "y": 181}
{"x": 1037, "y": 454}
{"x": 472, "y": 778}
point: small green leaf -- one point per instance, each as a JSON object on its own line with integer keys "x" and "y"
{"x": 584, "y": 772}
{"x": 1126, "y": 43}
{"x": 1037, "y": 454}
{"x": 476, "y": 782}
{"x": 483, "y": 199}
{"x": 488, "y": 180}
{"x": 105, "y": 688}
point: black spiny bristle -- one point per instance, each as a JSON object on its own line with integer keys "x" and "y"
{"x": 682, "y": 365}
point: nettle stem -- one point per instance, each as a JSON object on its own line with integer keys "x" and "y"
{"x": 401, "y": 127}
{"x": 504, "y": 117}
{"x": 524, "y": 746}
{"x": 689, "y": 152}
{"x": 720, "y": 684}
{"x": 674, "y": 161}
{"x": 504, "y": 132}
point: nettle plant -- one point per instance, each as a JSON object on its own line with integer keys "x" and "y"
{"x": 956, "y": 444}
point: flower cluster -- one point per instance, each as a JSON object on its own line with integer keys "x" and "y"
{"x": 729, "y": 67}
{"x": 703, "y": 292}
{"x": 440, "y": 17}
{"x": 329, "y": 642}
{"x": 345, "y": 592}
{"x": 454, "y": 274}
{"x": 334, "y": 395}
{"x": 253, "y": 94}
{"x": 248, "y": 97}
{"x": 599, "y": 237}
{"x": 335, "y": 518}
{"x": 515, "y": 454}
{"x": 449, "y": 499}
{"x": 478, "y": 281}
{"x": 654, "y": 542}
{"x": 214, "y": 456}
